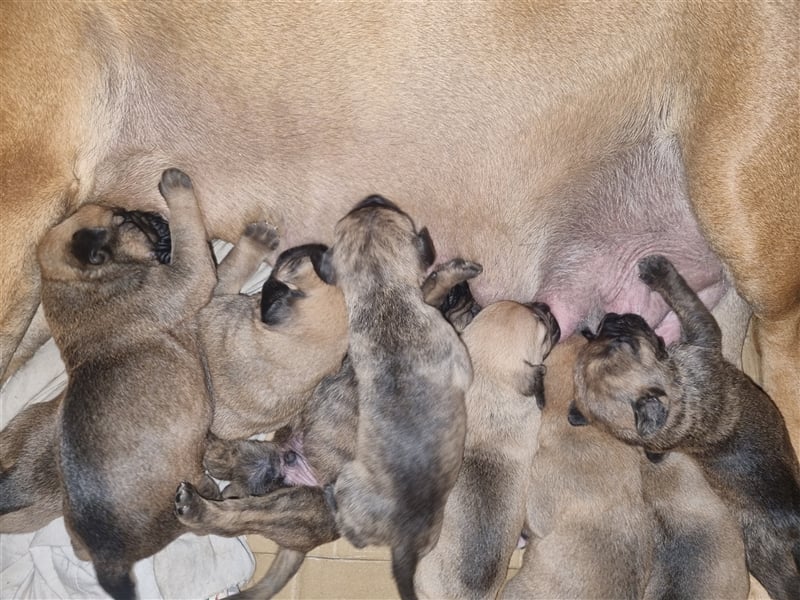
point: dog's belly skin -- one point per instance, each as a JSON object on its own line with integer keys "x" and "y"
{"x": 482, "y": 127}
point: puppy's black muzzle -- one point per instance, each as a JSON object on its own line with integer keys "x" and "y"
{"x": 542, "y": 310}
{"x": 614, "y": 326}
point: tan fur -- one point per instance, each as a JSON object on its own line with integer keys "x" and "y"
{"x": 485, "y": 511}
{"x": 591, "y": 532}
{"x": 689, "y": 398}
{"x": 699, "y": 552}
{"x": 264, "y": 373}
{"x": 323, "y": 440}
{"x": 124, "y": 324}
{"x": 30, "y": 485}
{"x": 487, "y": 111}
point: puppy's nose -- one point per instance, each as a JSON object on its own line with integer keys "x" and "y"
{"x": 542, "y": 310}
{"x": 614, "y": 325}
{"x": 375, "y": 201}
{"x": 90, "y": 245}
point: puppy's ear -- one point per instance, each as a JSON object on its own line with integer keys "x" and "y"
{"x": 91, "y": 246}
{"x": 575, "y": 417}
{"x": 425, "y": 247}
{"x": 323, "y": 265}
{"x": 650, "y": 415}
{"x": 661, "y": 349}
{"x": 531, "y": 382}
{"x": 276, "y": 301}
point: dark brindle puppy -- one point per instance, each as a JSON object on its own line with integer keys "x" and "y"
{"x": 121, "y": 307}
{"x": 413, "y": 372}
{"x": 689, "y": 398}
{"x": 308, "y": 456}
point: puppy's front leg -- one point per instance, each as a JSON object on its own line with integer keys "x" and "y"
{"x": 192, "y": 268}
{"x": 698, "y": 326}
{"x": 294, "y": 517}
{"x": 258, "y": 243}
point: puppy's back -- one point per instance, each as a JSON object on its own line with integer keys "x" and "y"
{"x": 591, "y": 531}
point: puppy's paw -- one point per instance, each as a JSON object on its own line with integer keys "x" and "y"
{"x": 262, "y": 234}
{"x": 654, "y": 269}
{"x": 173, "y": 180}
{"x": 188, "y": 503}
{"x": 458, "y": 270}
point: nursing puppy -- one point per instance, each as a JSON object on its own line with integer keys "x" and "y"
{"x": 412, "y": 372}
{"x": 689, "y": 398}
{"x": 308, "y": 455}
{"x": 485, "y": 512}
{"x": 698, "y": 551}
{"x": 591, "y": 534}
{"x": 30, "y": 487}
{"x": 267, "y": 353}
{"x": 120, "y": 299}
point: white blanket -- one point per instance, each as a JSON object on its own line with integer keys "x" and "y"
{"x": 42, "y": 564}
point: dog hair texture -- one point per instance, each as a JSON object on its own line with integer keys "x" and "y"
{"x": 689, "y": 398}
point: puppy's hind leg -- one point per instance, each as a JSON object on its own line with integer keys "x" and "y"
{"x": 258, "y": 243}
{"x": 698, "y": 326}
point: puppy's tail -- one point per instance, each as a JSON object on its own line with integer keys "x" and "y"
{"x": 284, "y": 566}
{"x": 115, "y": 579}
{"x": 405, "y": 557}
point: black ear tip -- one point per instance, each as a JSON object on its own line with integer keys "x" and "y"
{"x": 587, "y": 333}
{"x": 576, "y": 417}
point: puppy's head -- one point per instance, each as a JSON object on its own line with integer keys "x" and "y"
{"x": 510, "y": 341}
{"x": 624, "y": 380}
{"x": 295, "y": 288}
{"x": 97, "y": 241}
{"x": 378, "y": 240}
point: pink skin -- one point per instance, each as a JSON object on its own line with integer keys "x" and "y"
{"x": 300, "y": 472}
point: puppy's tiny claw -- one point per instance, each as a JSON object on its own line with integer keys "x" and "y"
{"x": 172, "y": 179}
{"x": 264, "y": 233}
{"x": 183, "y": 497}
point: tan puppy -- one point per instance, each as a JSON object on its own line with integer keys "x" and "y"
{"x": 504, "y": 113}
{"x": 689, "y": 398}
{"x": 30, "y": 488}
{"x": 308, "y": 455}
{"x": 591, "y": 533}
{"x": 412, "y": 373}
{"x": 699, "y": 551}
{"x": 266, "y": 353}
{"x": 486, "y": 510}
{"x": 120, "y": 310}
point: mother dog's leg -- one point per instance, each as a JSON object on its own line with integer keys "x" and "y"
{"x": 742, "y": 159}
{"x": 50, "y": 78}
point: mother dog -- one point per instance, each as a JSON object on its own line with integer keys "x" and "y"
{"x": 569, "y": 139}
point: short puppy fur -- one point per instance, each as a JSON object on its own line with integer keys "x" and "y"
{"x": 689, "y": 398}
{"x": 591, "y": 534}
{"x": 307, "y": 456}
{"x": 266, "y": 353}
{"x": 486, "y": 509}
{"x": 30, "y": 485}
{"x": 120, "y": 293}
{"x": 413, "y": 372}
